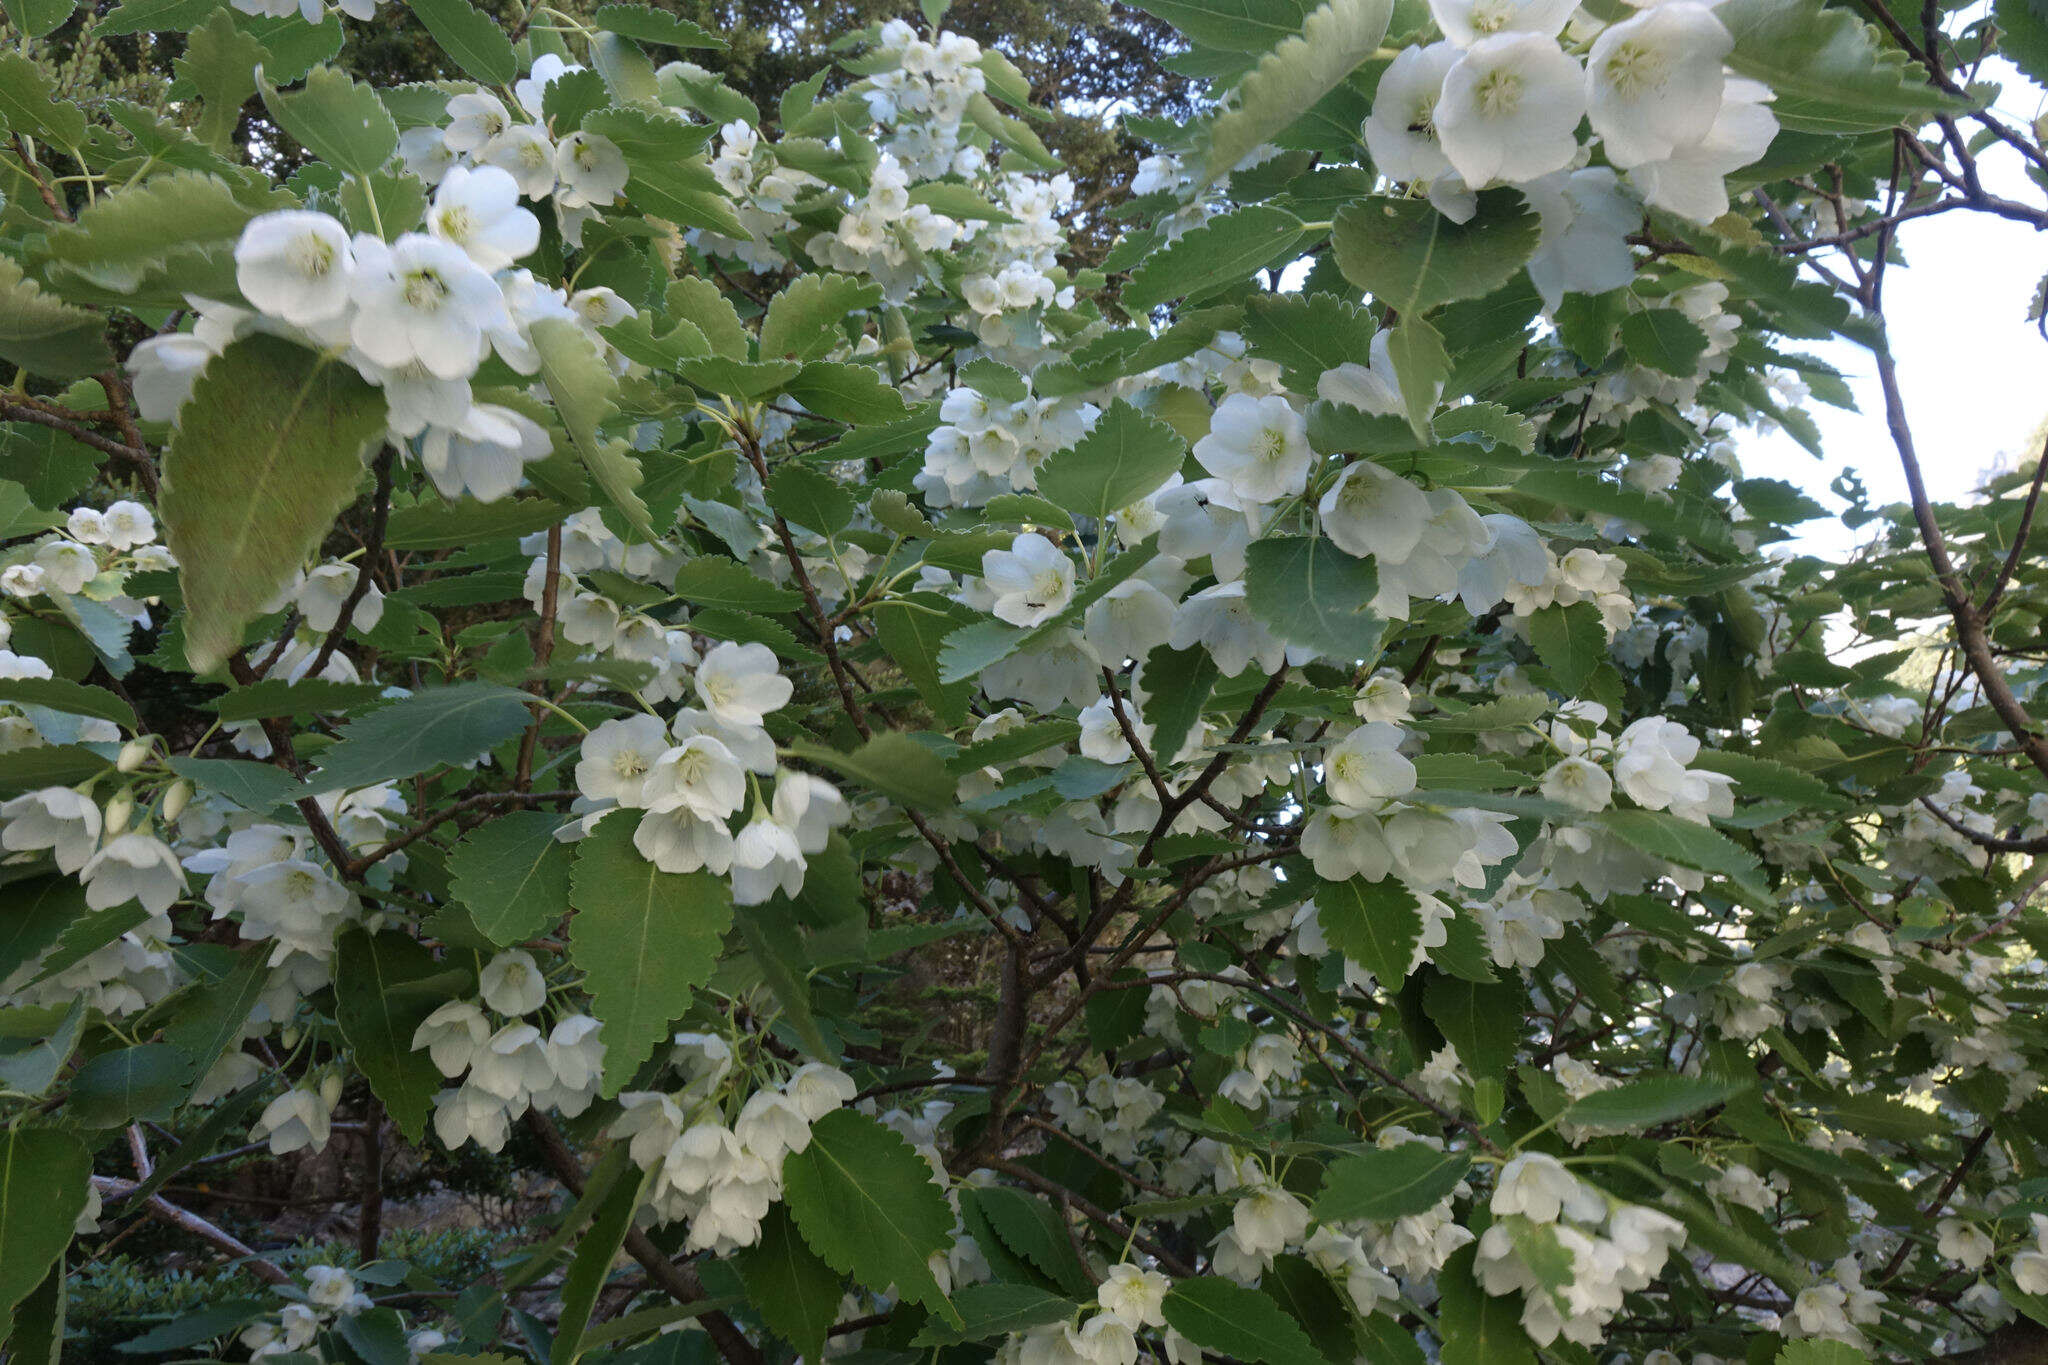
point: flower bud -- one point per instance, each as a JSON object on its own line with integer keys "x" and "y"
{"x": 289, "y": 1036}
{"x": 118, "y": 811}
{"x": 176, "y": 798}
{"x": 134, "y": 754}
{"x": 330, "y": 1089}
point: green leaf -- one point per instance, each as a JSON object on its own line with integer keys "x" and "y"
{"x": 893, "y": 764}
{"x": 810, "y": 498}
{"x": 644, "y": 940}
{"x": 592, "y": 1263}
{"x": 912, "y": 629}
{"x": 128, "y": 1083}
{"x": 771, "y": 936}
{"x": 1489, "y": 424}
{"x": 1483, "y": 1022}
{"x": 38, "y": 912}
{"x": 1388, "y": 1183}
{"x": 474, "y": 39}
{"x": 221, "y": 61}
{"x": 1215, "y": 256}
{"x": 29, "y": 1070}
{"x": 960, "y": 201}
{"x": 250, "y": 785}
{"x": 38, "y": 1335}
{"x": 45, "y": 335}
{"x": 583, "y": 388}
{"x": 1829, "y": 71}
{"x": 682, "y": 192}
{"x": 1814, "y": 1352}
{"x": 38, "y": 17}
{"x": 1233, "y": 25}
{"x": 865, "y": 1201}
{"x": 1306, "y": 334}
{"x": 793, "y": 1290}
{"x": 43, "y": 1180}
{"x": 282, "y": 697}
{"x": 1035, "y": 1230}
{"x": 1571, "y": 641}
{"x": 1664, "y": 339}
{"x": 29, "y": 105}
{"x": 268, "y": 451}
{"x": 1477, "y": 1328}
{"x": 1308, "y": 592}
{"x": 1412, "y": 258}
{"x": 857, "y": 394}
{"x": 339, "y": 120}
{"x": 993, "y": 1310}
{"x": 433, "y": 728}
{"x": 1172, "y": 711}
{"x": 513, "y": 875}
{"x": 1420, "y": 365}
{"x": 73, "y": 699}
{"x": 210, "y": 1018}
{"x": 380, "y": 1002}
{"x": 1125, "y": 457}
{"x": 1225, "y": 1317}
{"x": 655, "y": 26}
{"x": 154, "y": 241}
{"x": 805, "y": 320}
{"x": 385, "y": 203}
{"x": 970, "y": 649}
{"x": 1664, "y": 835}
{"x": 1375, "y": 924}
{"x": 1013, "y": 133}
{"x": 1311, "y": 1300}
{"x": 1287, "y": 82}
{"x": 1649, "y": 1100}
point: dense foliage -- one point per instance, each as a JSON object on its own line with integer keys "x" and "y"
{"x": 529, "y": 637}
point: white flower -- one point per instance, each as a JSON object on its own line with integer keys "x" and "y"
{"x": 320, "y": 597}
{"x": 67, "y": 566}
{"x": 477, "y": 209}
{"x": 1510, "y": 109}
{"x": 1539, "y": 1188}
{"x": 1134, "y": 1295}
{"x": 63, "y": 820}
{"x": 453, "y": 1035}
{"x": 700, "y": 776}
{"x": 484, "y": 455}
{"x": 329, "y": 1286}
{"x": 615, "y": 757}
{"x": 1032, "y": 581}
{"x": 1128, "y": 621}
{"x": 133, "y": 866}
{"x": 547, "y": 69}
{"x": 1964, "y": 1243}
{"x": 1258, "y": 447}
{"x": 128, "y": 524}
{"x": 465, "y": 1114}
{"x": 591, "y": 170}
{"x": 1220, "y": 620}
{"x": 739, "y": 684}
{"x": 1466, "y": 22}
{"x": 2030, "y": 1272}
{"x": 1586, "y": 219}
{"x": 819, "y": 1089}
{"x": 86, "y": 525}
{"x": 512, "y": 1065}
{"x": 1401, "y": 133}
{"x": 474, "y": 119}
{"x": 1579, "y": 783}
{"x": 1654, "y": 82}
{"x": 1371, "y": 510}
{"x": 1691, "y": 182}
{"x": 423, "y": 300}
{"x": 1367, "y": 766}
{"x": 771, "y": 1125}
{"x": 295, "y": 265}
{"x": 22, "y": 580}
{"x": 524, "y": 152}
{"x": 511, "y": 984}
{"x": 677, "y": 841}
{"x": 1268, "y": 1220}
{"x": 297, "y": 1118}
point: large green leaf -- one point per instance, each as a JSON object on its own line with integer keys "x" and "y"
{"x": 154, "y": 241}
{"x": 474, "y": 39}
{"x": 381, "y": 998}
{"x": 1478, "y": 1328}
{"x": 1412, "y": 258}
{"x": 1308, "y": 592}
{"x": 1384, "y": 1184}
{"x": 428, "y": 730}
{"x": 912, "y": 629}
{"x": 1227, "y": 1318}
{"x": 1829, "y": 71}
{"x": 43, "y": 1177}
{"x": 1484, "y": 1022}
{"x": 857, "y": 394}
{"x": 1571, "y": 641}
{"x": 644, "y": 940}
{"x": 1233, "y": 25}
{"x": 128, "y": 1083}
{"x": 865, "y": 1201}
{"x": 1306, "y": 334}
{"x": 1648, "y": 1100}
{"x": 1375, "y": 924}
{"x": 792, "y": 1289}
{"x": 29, "y": 106}
{"x": 1664, "y": 339}
{"x": 1215, "y": 256}
{"x": 1333, "y": 42}
{"x": 1664, "y": 835}
{"x": 892, "y": 763}
{"x": 591, "y": 1265}
{"x": 583, "y": 388}
{"x": 1125, "y": 457}
{"x": 268, "y": 451}
{"x": 804, "y": 321}
{"x": 512, "y": 874}
{"x": 46, "y": 335}
{"x": 338, "y": 119}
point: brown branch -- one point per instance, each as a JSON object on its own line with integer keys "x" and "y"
{"x": 267, "y": 1271}
{"x": 380, "y": 512}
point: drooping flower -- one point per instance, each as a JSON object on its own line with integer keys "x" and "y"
{"x": 1510, "y": 109}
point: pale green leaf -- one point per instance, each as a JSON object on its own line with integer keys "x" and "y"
{"x": 893, "y": 764}
{"x": 805, "y": 320}
{"x": 584, "y": 388}
{"x": 433, "y": 728}
{"x": 339, "y": 120}
{"x": 1829, "y": 70}
{"x": 1333, "y": 42}
{"x": 474, "y": 39}
{"x": 1382, "y": 1184}
{"x": 1217, "y": 255}
{"x": 1375, "y": 924}
{"x": 1410, "y": 257}
{"x": 45, "y": 335}
{"x": 1571, "y": 641}
{"x": 1308, "y": 592}
{"x": 1125, "y": 457}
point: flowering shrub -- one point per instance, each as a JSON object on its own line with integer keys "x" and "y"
{"x": 585, "y": 585}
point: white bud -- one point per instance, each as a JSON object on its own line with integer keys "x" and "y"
{"x": 176, "y": 799}
{"x": 118, "y": 811}
{"x": 330, "y": 1089}
{"x": 134, "y": 754}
